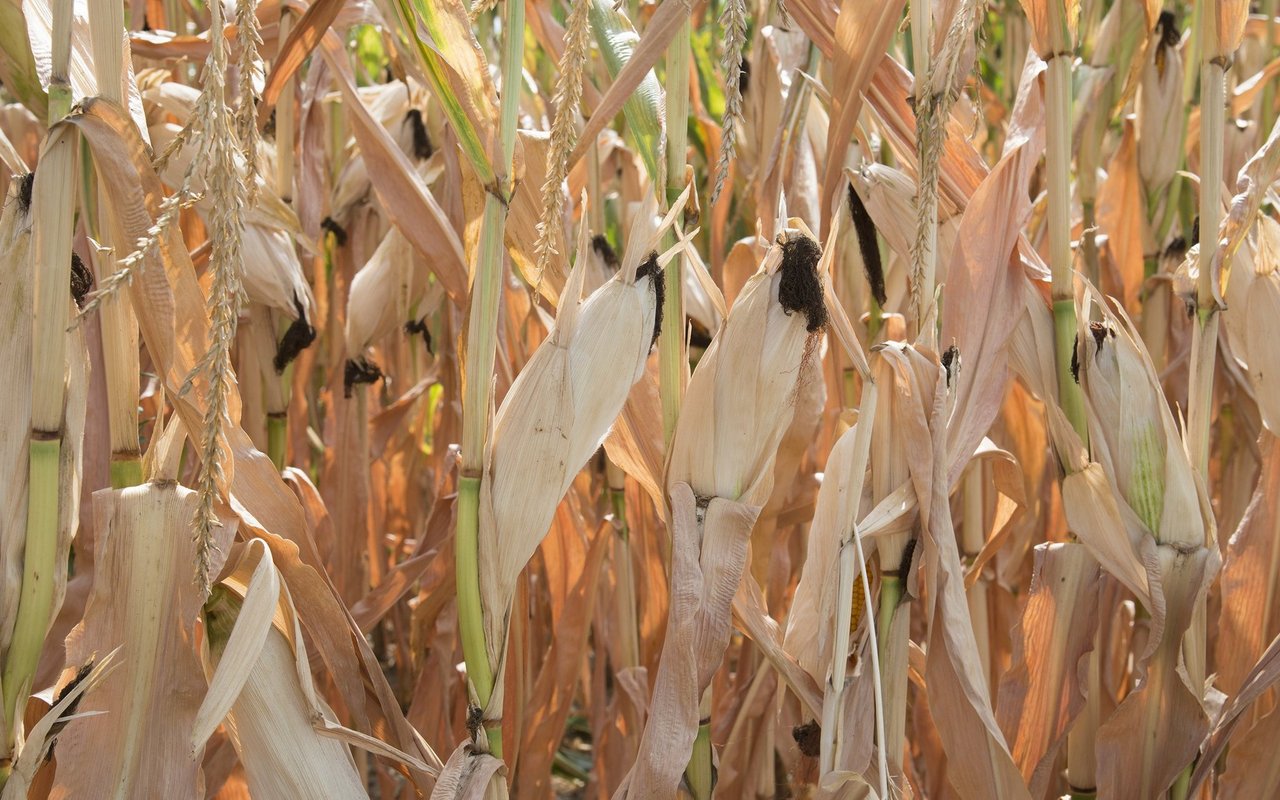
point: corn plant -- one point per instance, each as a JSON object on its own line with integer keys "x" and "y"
{"x": 573, "y": 398}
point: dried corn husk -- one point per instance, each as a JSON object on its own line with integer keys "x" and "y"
{"x": 1053, "y": 26}
{"x": 728, "y": 437}
{"x": 1161, "y": 502}
{"x": 40, "y": 739}
{"x": 720, "y": 473}
{"x": 1253, "y": 300}
{"x": 1160, "y": 110}
{"x": 959, "y": 696}
{"x": 272, "y": 273}
{"x": 1042, "y": 693}
{"x": 260, "y": 681}
{"x": 1226, "y": 27}
{"x": 385, "y": 291}
{"x": 145, "y": 600}
{"x": 556, "y": 414}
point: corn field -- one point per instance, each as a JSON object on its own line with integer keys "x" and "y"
{"x": 621, "y": 399}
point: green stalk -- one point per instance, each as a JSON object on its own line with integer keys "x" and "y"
{"x": 1205, "y": 334}
{"x": 622, "y": 563}
{"x": 35, "y": 605}
{"x": 1070, "y": 396}
{"x": 672, "y": 358}
{"x": 699, "y": 771}
{"x": 52, "y": 216}
{"x": 277, "y": 428}
{"x": 119, "y": 325}
{"x": 482, "y": 342}
{"x": 126, "y": 472}
{"x": 893, "y": 665}
{"x": 1058, "y": 162}
{"x": 1204, "y": 337}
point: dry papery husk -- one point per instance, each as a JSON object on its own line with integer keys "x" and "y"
{"x": 272, "y": 273}
{"x": 260, "y": 687}
{"x": 736, "y": 410}
{"x": 1042, "y": 692}
{"x": 1253, "y": 302}
{"x": 144, "y": 600}
{"x": 557, "y": 413}
{"x": 173, "y": 323}
{"x": 38, "y": 744}
{"x": 1141, "y": 482}
{"x": 959, "y": 697}
{"x": 1250, "y": 611}
{"x": 391, "y": 284}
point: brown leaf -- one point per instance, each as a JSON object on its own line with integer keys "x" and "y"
{"x": 1042, "y": 693}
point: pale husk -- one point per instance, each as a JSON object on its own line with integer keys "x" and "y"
{"x": 738, "y": 405}
{"x": 1044, "y": 689}
{"x": 728, "y": 435}
{"x": 384, "y": 292}
{"x": 1159, "y": 115}
{"x": 260, "y": 680}
{"x": 15, "y": 351}
{"x": 144, "y": 599}
{"x": 555, "y": 416}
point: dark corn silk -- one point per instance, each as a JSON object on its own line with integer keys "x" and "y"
{"x": 330, "y": 225}
{"x": 865, "y": 229}
{"x": 808, "y": 738}
{"x": 24, "y": 191}
{"x": 359, "y": 370}
{"x": 81, "y": 674}
{"x": 422, "y": 148}
{"x": 650, "y": 269}
{"x": 1075, "y": 360}
{"x": 951, "y": 363}
{"x": 1167, "y": 27}
{"x": 600, "y": 244}
{"x": 419, "y": 326}
{"x": 297, "y": 338}
{"x": 800, "y": 286}
{"x": 81, "y": 280}
{"x": 908, "y": 553}
{"x": 1100, "y": 332}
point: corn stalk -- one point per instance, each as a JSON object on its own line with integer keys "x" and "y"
{"x": 53, "y": 214}
{"x": 482, "y": 341}
{"x": 119, "y": 325}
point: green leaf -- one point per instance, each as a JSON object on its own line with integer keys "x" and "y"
{"x": 458, "y": 75}
{"x": 645, "y": 109}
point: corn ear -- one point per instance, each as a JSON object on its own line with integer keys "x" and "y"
{"x": 1160, "y": 112}
{"x": 555, "y": 416}
{"x": 386, "y": 288}
{"x": 728, "y": 435}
